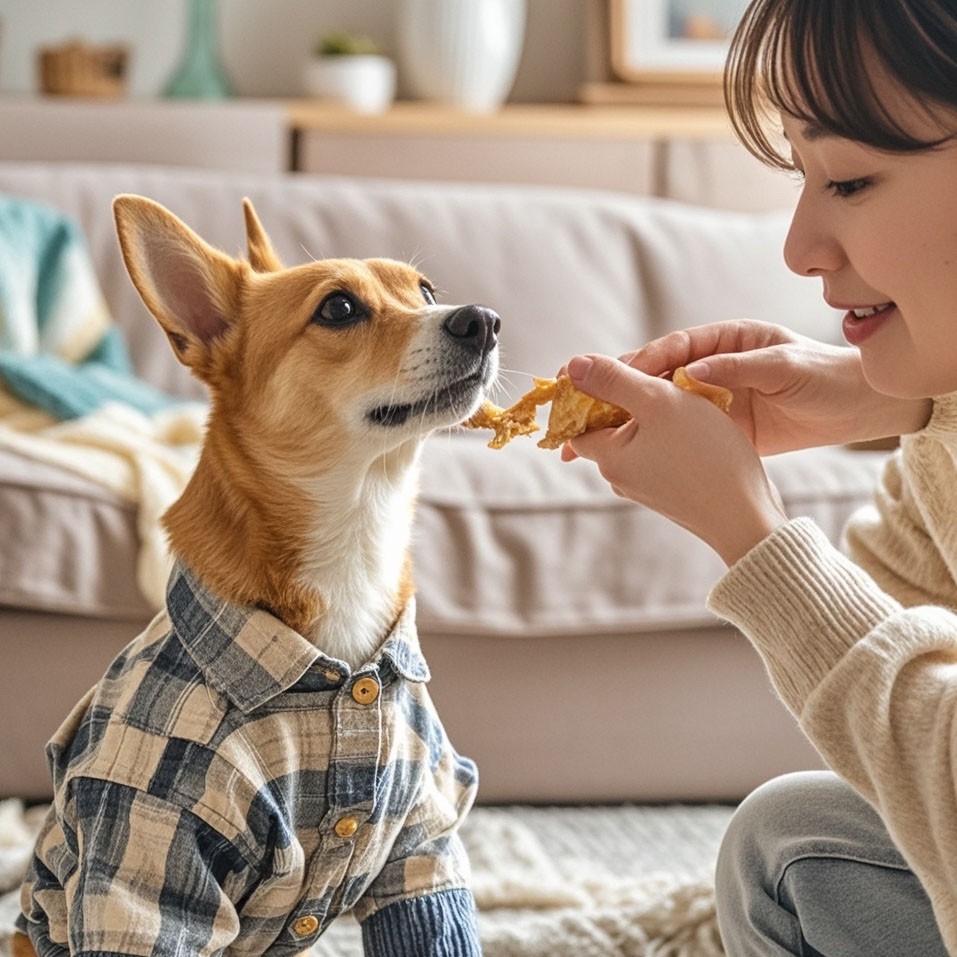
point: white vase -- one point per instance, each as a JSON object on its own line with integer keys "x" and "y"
{"x": 361, "y": 82}
{"x": 462, "y": 52}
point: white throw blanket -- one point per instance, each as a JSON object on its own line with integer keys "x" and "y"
{"x": 145, "y": 459}
{"x": 67, "y": 394}
{"x": 531, "y": 903}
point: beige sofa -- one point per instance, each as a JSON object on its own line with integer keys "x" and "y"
{"x": 571, "y": 651}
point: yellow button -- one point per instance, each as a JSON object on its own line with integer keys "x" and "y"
{"x": 305, "y": 926}
{"x": 365, "y": 690}
{"x": 346, "y": 826}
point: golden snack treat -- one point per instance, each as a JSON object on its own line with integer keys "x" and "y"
{"x": 517, "y": 419}
{"x": 715, "y": 394}
{"x": 573, "y": 412}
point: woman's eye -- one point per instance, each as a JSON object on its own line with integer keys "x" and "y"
{"x": 427, "y": 294}
{"x": 846, "y": 187}
{"x": 337, "y": 309}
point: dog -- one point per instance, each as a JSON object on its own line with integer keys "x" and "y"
{"x": 265, "y": 755}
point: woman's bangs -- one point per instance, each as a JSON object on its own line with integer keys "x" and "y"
{"x": 806, "y": 60}
{"x": 757, "y": 85}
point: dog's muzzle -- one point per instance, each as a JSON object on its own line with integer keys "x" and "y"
{"x": 473, "y": 334}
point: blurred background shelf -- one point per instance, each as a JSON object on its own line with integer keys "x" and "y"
{"x": 684, "y": 153}
{"x": 237, "y": 134}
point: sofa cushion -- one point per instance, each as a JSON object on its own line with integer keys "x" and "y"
{"x": 519, "y": 543}
{"x": 506, "y": 543}
{"x": 69, "y": 545}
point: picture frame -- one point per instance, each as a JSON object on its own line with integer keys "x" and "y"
{"x": 672, "y": 41}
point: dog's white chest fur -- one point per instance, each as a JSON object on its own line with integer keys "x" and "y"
{"x": 356, "y": 558}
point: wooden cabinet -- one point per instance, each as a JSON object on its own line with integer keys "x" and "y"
{"x": 685, "y": 153}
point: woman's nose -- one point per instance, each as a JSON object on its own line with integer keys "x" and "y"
{"x": 811, "y": 247}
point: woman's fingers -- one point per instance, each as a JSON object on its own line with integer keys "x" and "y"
{"x": 610, "y": 380}
{"x": 719, "y": 339}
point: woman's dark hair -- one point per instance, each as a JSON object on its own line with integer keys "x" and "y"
{"x": 813, "y": 60}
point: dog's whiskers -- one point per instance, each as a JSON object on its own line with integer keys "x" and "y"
{"x": 530, "y": 375}
{"x": 313, "y": 258}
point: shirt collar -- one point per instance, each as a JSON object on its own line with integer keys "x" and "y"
{"x": 402, "y": 648}
{"x": 250, "y": 656}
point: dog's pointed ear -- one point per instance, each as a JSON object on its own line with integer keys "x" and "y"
{"x": 262, "y": 257}
{"x": 190, "y": 288}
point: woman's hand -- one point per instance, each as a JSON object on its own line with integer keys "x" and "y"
{"x": 680, "y": 456}
{"x": 790, "y": 392}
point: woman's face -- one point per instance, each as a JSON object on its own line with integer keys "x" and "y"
{"x": 880, "y": 229}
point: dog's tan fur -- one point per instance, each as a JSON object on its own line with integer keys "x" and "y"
{"x": 248, "y": 530}
{"x": 20, "y": 946}
{"x": 301, "y": 502}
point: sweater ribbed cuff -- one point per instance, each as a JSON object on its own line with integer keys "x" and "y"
{"x": 802, "y": 604}
{"x": 438, "y": 925}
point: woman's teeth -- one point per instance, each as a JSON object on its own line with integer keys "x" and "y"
{"x": 871, "y": 310}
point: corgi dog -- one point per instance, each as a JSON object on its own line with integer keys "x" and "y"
{"x": 265, "y": 756}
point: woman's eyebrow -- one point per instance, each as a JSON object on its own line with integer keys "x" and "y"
{"x": 811, "y": 130}
{"x": 814, "y": 131}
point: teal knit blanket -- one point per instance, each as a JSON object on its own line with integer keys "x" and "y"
{"x": 59, "y": 350}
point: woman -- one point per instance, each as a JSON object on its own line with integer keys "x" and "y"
{"x": 864, "y": 651}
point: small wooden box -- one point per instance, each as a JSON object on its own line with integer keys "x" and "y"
{"x": 76, "y": 69}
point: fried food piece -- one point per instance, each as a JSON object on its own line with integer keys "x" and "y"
{"x": 715, "y": 394}
{"x": 517, "y": 419}
{"x": 572, "y": 412}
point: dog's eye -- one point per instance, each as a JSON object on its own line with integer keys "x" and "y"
{"x": 427, "y": 294}
{"x": 337, "y": 309}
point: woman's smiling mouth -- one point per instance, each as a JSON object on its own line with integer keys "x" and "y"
{"x": 862, "y": 322}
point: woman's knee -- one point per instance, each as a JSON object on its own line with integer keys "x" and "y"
{"x": 807, "y": 814}
{"x": 810, "y": 813}
{"x": 771, "y": 829}
{"x": 776, "y": 814}
{"x": 752, "y": 859}
{"x": 807, "y": 865}
{"x": 798, "y": 815}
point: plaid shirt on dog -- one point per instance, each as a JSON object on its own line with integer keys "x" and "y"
{"x": 228, "y": 789}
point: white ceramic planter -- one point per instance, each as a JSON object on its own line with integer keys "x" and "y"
{"x": 462, "y": 52}
{"x": 362, "y": 82}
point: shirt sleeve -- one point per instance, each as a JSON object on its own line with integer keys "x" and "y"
{"x": 151, "y": 879}
{"x": 420, "y": 905}
{"x": 419, "y": 902}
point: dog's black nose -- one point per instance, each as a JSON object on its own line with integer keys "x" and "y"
{"x": 474, "y": 327}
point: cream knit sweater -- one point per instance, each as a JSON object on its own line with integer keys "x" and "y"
{"x": 864, "y": 653}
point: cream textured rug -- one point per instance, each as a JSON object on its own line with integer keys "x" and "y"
{"x": 630, "y": 881}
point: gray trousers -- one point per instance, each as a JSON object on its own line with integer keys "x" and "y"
{"x": 807, "y": 868}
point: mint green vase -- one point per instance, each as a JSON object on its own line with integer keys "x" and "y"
{"x": 200, "y": 75}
